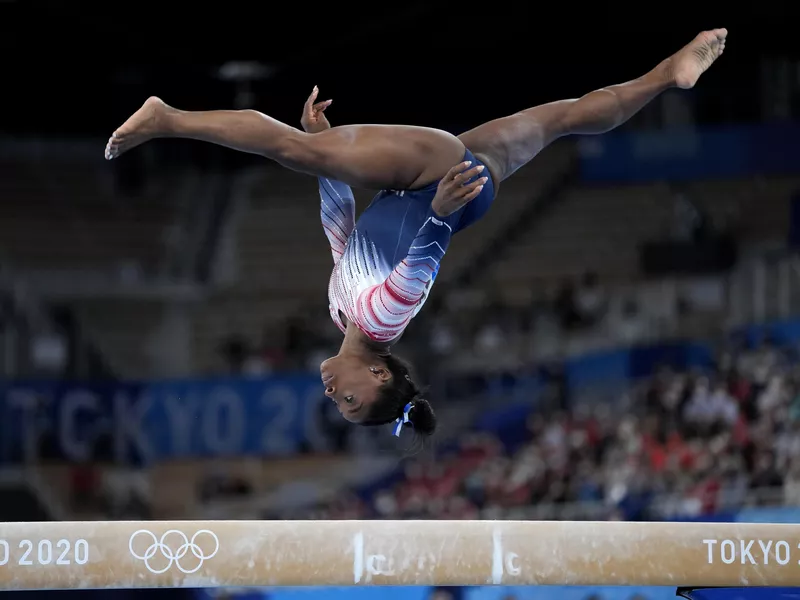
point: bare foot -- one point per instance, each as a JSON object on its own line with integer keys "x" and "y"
{"x": 694, "y": 59}
{"x": 145, "y": 124}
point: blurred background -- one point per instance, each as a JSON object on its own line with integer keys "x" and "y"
{"x": 617, "y": 339}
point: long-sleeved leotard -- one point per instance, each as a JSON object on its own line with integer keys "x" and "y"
{"x": 370, "y": 288}
{"x": 386, "y": 263}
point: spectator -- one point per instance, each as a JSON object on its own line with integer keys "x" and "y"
{"x": 590, "y": 300}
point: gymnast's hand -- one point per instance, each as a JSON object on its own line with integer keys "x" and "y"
{"x": 314, "y": 119}
{"x": 454, "y": 192}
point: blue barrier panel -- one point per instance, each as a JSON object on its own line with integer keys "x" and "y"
{"x": 686, "y": 154}
{"x": 147, "y": 422}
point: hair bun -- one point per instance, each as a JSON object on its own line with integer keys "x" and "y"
{"x": 422, "y": 417}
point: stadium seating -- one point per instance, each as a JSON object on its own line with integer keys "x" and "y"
{"x": 601, "y": 229}
{"x": 65, "y": 213}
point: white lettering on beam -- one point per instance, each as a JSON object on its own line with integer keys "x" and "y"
{"x": 748, "y": 552}
{"x": 502, "y": 562}
{"x": 369, "y": 564}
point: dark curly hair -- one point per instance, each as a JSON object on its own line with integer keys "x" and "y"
{"x": 395, "y": 394}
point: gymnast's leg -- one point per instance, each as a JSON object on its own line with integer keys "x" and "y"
{"x": 507, "y": 144}
{"x": 371, "y": 156}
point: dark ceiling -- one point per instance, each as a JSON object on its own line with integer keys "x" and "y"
{"x": 80, "y": 67}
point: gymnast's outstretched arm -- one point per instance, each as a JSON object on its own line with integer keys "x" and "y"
{"x": 337, "y": 211}
{"x": 337, "y": 206}
{"x": 391, "y": 304}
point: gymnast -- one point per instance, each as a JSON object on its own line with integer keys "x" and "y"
{"x": 386, "y": 262}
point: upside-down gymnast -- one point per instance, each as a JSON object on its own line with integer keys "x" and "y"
{"x": 386, "y": 262}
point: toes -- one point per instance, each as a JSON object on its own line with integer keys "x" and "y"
{"x": 113, "y": 145}
{"x": 112, "y": 149}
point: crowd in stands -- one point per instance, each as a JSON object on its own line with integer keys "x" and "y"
{"x": 680, "y": 444}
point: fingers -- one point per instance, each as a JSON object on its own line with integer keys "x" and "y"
{"x": 454, "y": 172}
{"x": 456, "y": 181}
{"x": 462, "y": 190}
{"x": 465, "y": 176}
{"x": 321, "y": 106}
{"x": 459, "y": 174}
{"x": 470, "y": 189}
{"x": 475, "y": 192}
{"x": 311, "y": 99}
{"x": 467, "y": 193}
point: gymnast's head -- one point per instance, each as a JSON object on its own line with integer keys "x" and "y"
{"x": 375, "y": 388}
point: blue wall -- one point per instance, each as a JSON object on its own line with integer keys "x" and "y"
{"x": 725, "y": 152}
{"x": 152, "y": 421}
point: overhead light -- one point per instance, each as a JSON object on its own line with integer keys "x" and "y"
{"x": 245, "y": 71}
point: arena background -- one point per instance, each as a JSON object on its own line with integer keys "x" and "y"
{"x": 617, "y": 340}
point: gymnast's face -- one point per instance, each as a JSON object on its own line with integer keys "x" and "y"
{"x": 353, "y": 384}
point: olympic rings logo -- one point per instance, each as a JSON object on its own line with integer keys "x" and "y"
{"x": 173, "y": 556}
